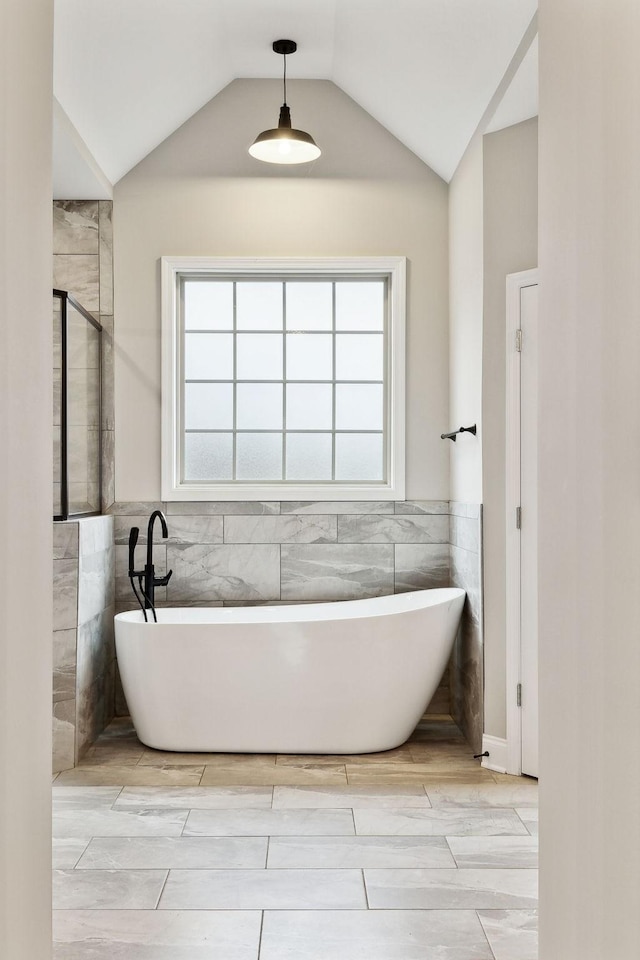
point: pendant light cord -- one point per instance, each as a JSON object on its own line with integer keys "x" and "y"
{"x": 284, "y": 78}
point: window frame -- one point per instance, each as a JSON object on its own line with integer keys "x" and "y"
{"x": 173, "y": 269}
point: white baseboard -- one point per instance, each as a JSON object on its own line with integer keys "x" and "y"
{"x": 497, "y": 759}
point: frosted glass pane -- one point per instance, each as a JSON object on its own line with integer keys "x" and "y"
{"x": 359, "y": 356}
{"x": 259, "y": 306}
{"x": 309, "y": 456}
{"x": 359, "y": 406}
{"x": 309, "y": 306}
{"x": 259, "y": 356}
{"x": 359, "y": 456}
{"x": 208, "y": 406}
{"x": 208, "y": 305}
{"x": 259, "y": 406}
{"x": 208, "y": 456}
{"x": 309, "y": 406}
{"x": 309, "y": 356}
{"x": 360, "y": 306}
{"x": 208, "y": 356}
{"x": 259, "y": 456}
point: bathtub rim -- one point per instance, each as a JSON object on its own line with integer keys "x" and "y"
{"x": 305, "y": 612}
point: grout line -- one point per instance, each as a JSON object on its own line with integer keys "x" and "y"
{"x": 366, "y": 894}
{"x": 484, "y": 933}
{"x": 262, "y": 912}
{"x": 162, "y": 890}
{"x": 266, "y": 858}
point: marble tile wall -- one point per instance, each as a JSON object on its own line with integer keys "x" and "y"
{"x": 265, "y": 552}
{"x": 83, "y": 266}
{"x": 83, "y": 644}
{"x": 466, "y": 667}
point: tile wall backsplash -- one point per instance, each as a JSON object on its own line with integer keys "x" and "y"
{"x": 466, "y": 667}
{"x": 83, "y": 644}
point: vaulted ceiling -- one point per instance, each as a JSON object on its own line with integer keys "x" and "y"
{"x": 127, "y": 73}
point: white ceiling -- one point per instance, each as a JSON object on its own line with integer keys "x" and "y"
{"x": 127, "y": 73}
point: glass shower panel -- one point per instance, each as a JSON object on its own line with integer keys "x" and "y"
{"x": 83, "y": 413}
{"x": 57, "y": 407}
{"x": 76, "y": 409}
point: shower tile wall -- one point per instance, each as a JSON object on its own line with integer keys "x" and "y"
{"x": 83, "y": 646}
{"x": 466, "y": 667}
{"x": 261, "y": 552}
{"x": 83, "y": 266}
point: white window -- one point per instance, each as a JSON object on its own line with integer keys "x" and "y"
{"x": 283, "y": 379}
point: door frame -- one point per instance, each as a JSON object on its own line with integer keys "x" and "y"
{"x": 515, "y": 283}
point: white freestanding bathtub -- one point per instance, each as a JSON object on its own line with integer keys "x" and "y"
{"x": 348, "y": 677}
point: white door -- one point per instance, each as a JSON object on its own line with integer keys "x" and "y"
{"x": 529, "y": 528}
{"x": 522, "y": 523}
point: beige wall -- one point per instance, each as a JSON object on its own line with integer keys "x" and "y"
{"x": 199, "y": 193}
{"x": 589, "y": 479}
{"x": 465, "y": 333}
{"x": 25, "y": 478}
{"x": 510, "y": 245}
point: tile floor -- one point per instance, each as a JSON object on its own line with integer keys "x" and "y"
{"x": 414, "y": 854}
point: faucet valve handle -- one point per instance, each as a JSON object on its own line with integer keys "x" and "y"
{"x": 163, "y": 581}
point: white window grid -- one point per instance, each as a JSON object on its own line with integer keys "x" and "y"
{"x": 284, "y": 381}
{"x": 173, "y": 268}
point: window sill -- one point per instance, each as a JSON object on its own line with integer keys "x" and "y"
{"x": 284, "y": 491}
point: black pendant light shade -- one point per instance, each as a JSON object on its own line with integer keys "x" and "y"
{"x": 284, "y": 144}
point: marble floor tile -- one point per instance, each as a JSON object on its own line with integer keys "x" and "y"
{"x": 490, "y": 852}
{"x": 398, "y": 755}
{"x": 442, "y": 752}
{"x": 263, "y": 890}
{"x": 520, "y": 793}
{"x": 156, "y": 935}
{"x": 158, "y": 757}
{"x": 359, "y": 852}
{"x": 373, "y": 935}
{"x": 275, "y": 774}
{"x": 65, "y": 852}
{"x": 434, "y": 774}
{"x": 196, "y": 798}
{"x": 354, "y": 797}
{"x": 451, "y": 889}
{"x": 529, "y": 816}
{"x": 132, "y": 775}
{"x": 82, "y": 798}
{"x": 512, "y": 934}
{"x": 118, "y": 823}
{"x": 269, "y": 823}
{"x": 112, "y": 756}
{"x": 107, "y": 889}
{"x": 168, "y": 853}
{"x": 438, "y": 822}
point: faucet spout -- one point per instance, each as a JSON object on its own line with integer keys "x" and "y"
{"x": 150, "y": 579}
{"x": 156, "y": 515}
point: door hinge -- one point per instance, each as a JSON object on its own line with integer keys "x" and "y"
{"x": 519, "y": 341}
{"x": 518, "y": 518}
{"x": 519, "y": 695}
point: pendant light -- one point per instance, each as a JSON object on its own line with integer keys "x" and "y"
{"x": 284, "y": 144}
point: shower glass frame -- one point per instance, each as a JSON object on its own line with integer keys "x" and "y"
{"x": 67, "y": 299}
